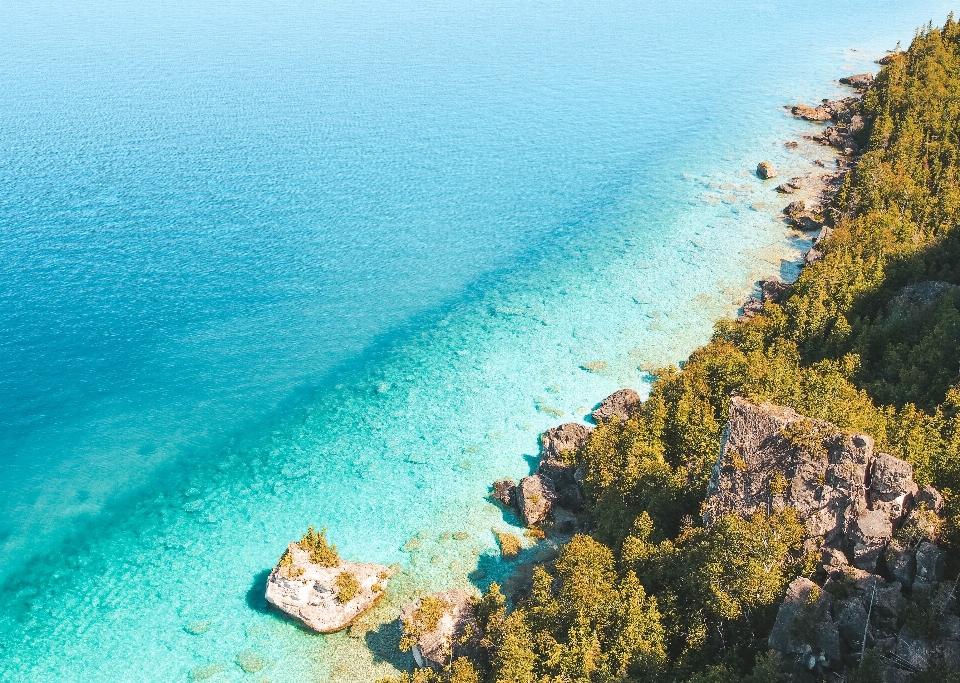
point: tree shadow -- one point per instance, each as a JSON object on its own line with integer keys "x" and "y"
{"x": 384, "y": 643}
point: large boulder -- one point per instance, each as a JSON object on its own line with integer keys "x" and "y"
{"x": 804, "y": 632}
{"x": 622, "y": 404}
{"x": 772, "y": 458}
{"x": 930, "y": 563}
{"x": 505, "y": 490}
{"x": 765, "y": 170}
{"x": 891, "y": 486}
{"x": 773, "y": 288}
{"x": 434, "y": 624}
{"x": 314, "y": 595}
{"x": 535, "y": 498}
{"x": 858, "y": 81}
{"x": 869, "y": 537}
{"x": 560, "y": 450}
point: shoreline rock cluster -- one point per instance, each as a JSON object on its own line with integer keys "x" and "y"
{"x": 880, "y": 574}
{"x": 558, "y": 480}
{"x": 845, "y": 126}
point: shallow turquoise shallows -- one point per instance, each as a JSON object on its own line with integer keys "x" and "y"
{"x": 266, "y": 264}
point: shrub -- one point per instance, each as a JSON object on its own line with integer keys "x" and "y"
{"x": 347, "y": 586}
{"x": 320, "y": 551}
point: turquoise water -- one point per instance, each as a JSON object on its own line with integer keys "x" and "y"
{"x": 268, "y": 264}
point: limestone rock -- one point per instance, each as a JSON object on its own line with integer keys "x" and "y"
{"x": 765, "y": 170}
{"x": 438, "y": 631}
{"x": 891, "y": 486}
{"x": 622, "y": 403}
{"x": 773, "y": 289}
{"x": 870, "y": 533}
{"x": 888, "y": 58}
{"x": 505, "y": 490}
{"x": 901, "y": 563}
{"x": 812, "y": 256}
{"x": 560, "y": 462}
{"x": 802, "y": 111}
{"x": 858, "y": 81}
{"x": 308, "y": 592}
{"x": 930, "y": 563}
{"x": 771, "y": 457}
{"x": 929, "y": 497}
{"x": 535, "y": 497}
{"x": 913, "y": 650}
{"x": 804, "y": 630}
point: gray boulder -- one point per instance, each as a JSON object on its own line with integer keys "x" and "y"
{"x": 930, "y": 563}
{"x": 438, "y": 628}
{"x": 773, "y": 289}
{"x": 560, "y": 462}
{"x": 771, "y": 457}
{"x": 901, "y": 563}
{"x": 765, "y": 170}
{"x": 891, "y": 486}
{"x": 622, "y": 404}
{"x": 804, "y": 631}
{"x": 929, "y": 497}
{"x": 852, "y": 624}
{"x": 913, "y": 650}
{"x": 535, "y": 498}
{"x": 869, "y": 537}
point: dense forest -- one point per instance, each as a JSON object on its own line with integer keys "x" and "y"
{"x": 868, "y": 338}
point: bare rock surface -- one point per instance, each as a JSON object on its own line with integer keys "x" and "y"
{"x": 437, "y": 627}
{"x": 560, "y": 450}
{"x": 771, "y": 458}
{"x": 765, "y": 170}
{"x": 505, "y": 490}
{"x": 870, "y": 534}
{"x": 858, "y": 81}
{"x": 804, "y": 630}
{"x": 622, "y": 404}
{"x": 535, "y": 498}
{"x": 308, "y": 591}
{"x": 891, "y": 486}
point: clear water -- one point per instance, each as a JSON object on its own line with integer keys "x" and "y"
{"x": 268, "y": 264}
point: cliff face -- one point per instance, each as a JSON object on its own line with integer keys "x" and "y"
{"x": 879, "y": 581}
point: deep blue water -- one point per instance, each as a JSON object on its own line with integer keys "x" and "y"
{"x": 267, "y": 264}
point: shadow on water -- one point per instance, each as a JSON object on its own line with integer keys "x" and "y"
{"x": 384, "y": 643}
{"x": 256, "y": 597}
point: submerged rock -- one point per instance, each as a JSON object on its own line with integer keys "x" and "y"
{"x": 309, "y": 592}
{"x": 435, "y": 624}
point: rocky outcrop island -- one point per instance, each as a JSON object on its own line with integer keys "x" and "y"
{"x": 314, "y": 586}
